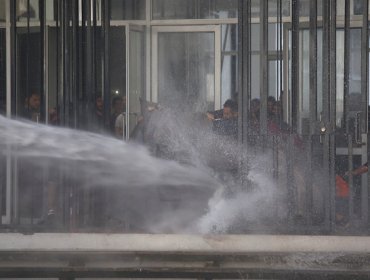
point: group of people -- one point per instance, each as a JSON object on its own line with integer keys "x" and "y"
{"x": 116, "y": 124}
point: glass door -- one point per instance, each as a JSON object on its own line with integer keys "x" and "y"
{"x": 186, "y": 70}
{"x": 135, "y": 61}
{"x": 352, "y": 121}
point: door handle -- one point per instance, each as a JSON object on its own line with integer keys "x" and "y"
{"x": 322, "y": 131}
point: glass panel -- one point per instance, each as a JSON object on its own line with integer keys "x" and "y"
{"x": 23, "y": 12}
{"x": 3, "y": 162}
{"x": 28, "y": 73}
{"x": 255, "y": 35}
{"x": 50, "y": 12}
{"x": 229, "y": 78}
{"x": 357, "y": 7}
{"x": 255, "y": 60}
{"x": 30, "y": 176}
{"x": 127, "y": 9}
{"x": 340, "y": 7}
{"x": 2, "y": 10}
{"x": 194, "y": 9}
{"x": 218, "y": 8}
{"x": 52, "y": 76}
{"x": 304, "y": 96}
{"x": 355, "y": 64}
{"x": 340, "y": 78}
{"x": 255, "y": 8}
{"x": 186, "y": 70}
{"x": 319, "y": 72}
{"x": 136, "y": 78}
{"x": 273, "y": 36}
{"x": 273, "y": 8}
{"x": 355, "y": 108}
{"x": 2, "y": 112}
{"x": 229, "y": 37}
{"x": 117, "y": 78}
{"x": 2, "y": 72}
{"x": 304, "y": 8}
{"x": 255, "y": 76}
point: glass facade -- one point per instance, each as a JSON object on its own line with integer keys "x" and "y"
{"x": 2, "y": 11}
{"x": 128, "y": 9}
{"x": 193, "y": 9}
{"x": 2, "y": 71}
{"x": 296, "y": 72}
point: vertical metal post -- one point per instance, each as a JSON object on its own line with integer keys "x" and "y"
{"x": 61, "y": 43}
{"x": 75, "y": 75}
{"x": 295, "y": 63}
{"x": 67, "y": 62}
{"x": 325, "y": 108}
{"x": 332, "y": 104}
{"x": 88, "y": 64}
{"x": 105, "y": 59}
{"x": 13, "y": 55}
{"x": 313, "y": 104}
{"x": 263, "y": 66}
{"x": 350, "y": 179}
{"x": 43, "y": 112}
{"x": 94, "y": 36}
{"x": 347, "y": 57}
{"x": 244, "y": 82}
{"x": 243, "y": 68}
{"x": 13, "y": 87}
{"x": 292, "y": 205}
{"x": 364, "y": 94}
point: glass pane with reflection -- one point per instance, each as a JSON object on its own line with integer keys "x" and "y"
{"x": 127, "y": 9}
{"x": 28, "y": 9}
{"x": 2, "y": 11}
{"x": 186, "y": 70}
{"x": 192, "y": 9}
{"x": 2, "y": 72}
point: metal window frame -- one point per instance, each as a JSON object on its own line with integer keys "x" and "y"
{"x": 202, "y": 28}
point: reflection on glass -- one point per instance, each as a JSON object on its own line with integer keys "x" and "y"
{"x": 229, "y": 78}
{"x": 117, "y": 79}
{"x": 136, "y": 78}
{"x": 255, "y": 76}
{"x": 52, "y": 76}
{"x": 24, "y": 11}
{"x": 274, "y": 31}
{"x": 2, "y": 72}
{"x": 229, "y": 37}
{"x": 319, "y": 72}
{"x": 186, "y": 70}
{"x": 304, "y": 8}
{"x": 127, "y": 9}
{"x": 3, "y": 163}
{"x": 340, "y": 7}
{"x": 194, "y": 9}
{"x": 358, "y": 7}
{"x": 255, "y": 34}
{"x": 117, "y": 60}
{"x": 355, "y": 110}
{"x": 273, "y": 8}
{"x": 304, "y": 94}
{"x": 29, "y": 73}
{"x": 340, "y": 78}
{"x": 2, "y": 10}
